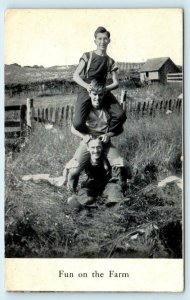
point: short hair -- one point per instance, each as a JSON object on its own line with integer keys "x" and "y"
{"x": 97, "y": 87}
{"x": 101, "y": 29}
{"x": 95, "y": 139}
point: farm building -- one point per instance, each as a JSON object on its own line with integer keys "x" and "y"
{"x": 126, "y": 67}
{"x": 156, "y": 69}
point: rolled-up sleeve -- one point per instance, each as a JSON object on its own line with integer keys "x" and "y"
{"x": 114, "y": 67}
{"x": 84, "y": 57}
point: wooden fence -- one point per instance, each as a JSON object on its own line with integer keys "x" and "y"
{"x": 63, "y": 115}
{"x": 53, "y": 115}
{"x": 174, "y": 77}
{"x": 17, "y": 121}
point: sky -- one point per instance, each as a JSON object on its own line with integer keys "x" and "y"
{"x": 60, "y": 37}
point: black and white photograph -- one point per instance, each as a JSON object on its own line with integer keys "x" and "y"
{"x": 94, "y": 136}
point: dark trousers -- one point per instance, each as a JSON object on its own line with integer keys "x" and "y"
{"x": 83, "y": 107}
{"x": 112, "y": 192}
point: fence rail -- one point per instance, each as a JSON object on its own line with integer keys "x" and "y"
{"x": 175, "y": 77}
{"x": 13, "y": 128}
{"x": 18, "y": 122}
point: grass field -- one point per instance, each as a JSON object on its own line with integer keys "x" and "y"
{"x": 53, "y": 98}
{"x": 147, "y": 223}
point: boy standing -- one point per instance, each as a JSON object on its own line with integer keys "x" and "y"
{"x": 96, "y": 65}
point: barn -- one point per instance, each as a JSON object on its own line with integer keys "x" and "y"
{"x": 156, "y": 69}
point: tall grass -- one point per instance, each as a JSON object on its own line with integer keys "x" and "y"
{"x": 146, "y": 140}
{"x": 155, "y": 141}
{"x": 37, "y": 221}
{"x": 155, "y": 91}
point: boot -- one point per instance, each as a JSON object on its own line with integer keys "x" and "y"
{"x": 84, "y": 197}
{"x": 113, "y": 193}
{"x": 74, "y": 203}
{"x": 120, "y": 175}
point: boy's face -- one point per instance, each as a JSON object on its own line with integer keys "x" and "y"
{"x": 95, "y": 148}
{"x": 96, "y": 99}
{"x": 102, "y": 41}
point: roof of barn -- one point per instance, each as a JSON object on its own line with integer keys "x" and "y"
{"x": 154, "y": 64}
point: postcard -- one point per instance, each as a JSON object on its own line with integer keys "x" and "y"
{"x": 94, "y": 150}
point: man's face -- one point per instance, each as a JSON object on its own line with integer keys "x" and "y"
{"x": 102, "y": 40}
{"x": 96, "y": 99}
{"x": 95, "y": 148}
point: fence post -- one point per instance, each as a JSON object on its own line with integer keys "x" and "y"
{"x": 147, "y": 106}
{"x": 72, "y": 112}
{"x": 143, "y": 108}
{"x": 56, "y": 115}
{"x": 170, "y": 104}
{"x": 67, "y": 113}
{"x": 123, "y": 99}
{"x": 50, "y": 113}
{"x": 59, "y": 115}
{"x": 29, "y": 105}
{"x": 39, "y": 115}
{"x": 46, "y": 114}
{"x": 173, "y": 105}
{"x": 53, "y": 118}
{"x": 43, "y": 115}
{"x": 152, "y": 108}
{"x": 165, "y": 106}
{"x": 23, "y": 122}
{"x": 62, "y": 114}
{"x": 138, "y": 109}
{"x": 179, "y": 106}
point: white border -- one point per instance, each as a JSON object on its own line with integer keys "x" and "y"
{"x": 97, "y": 4}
